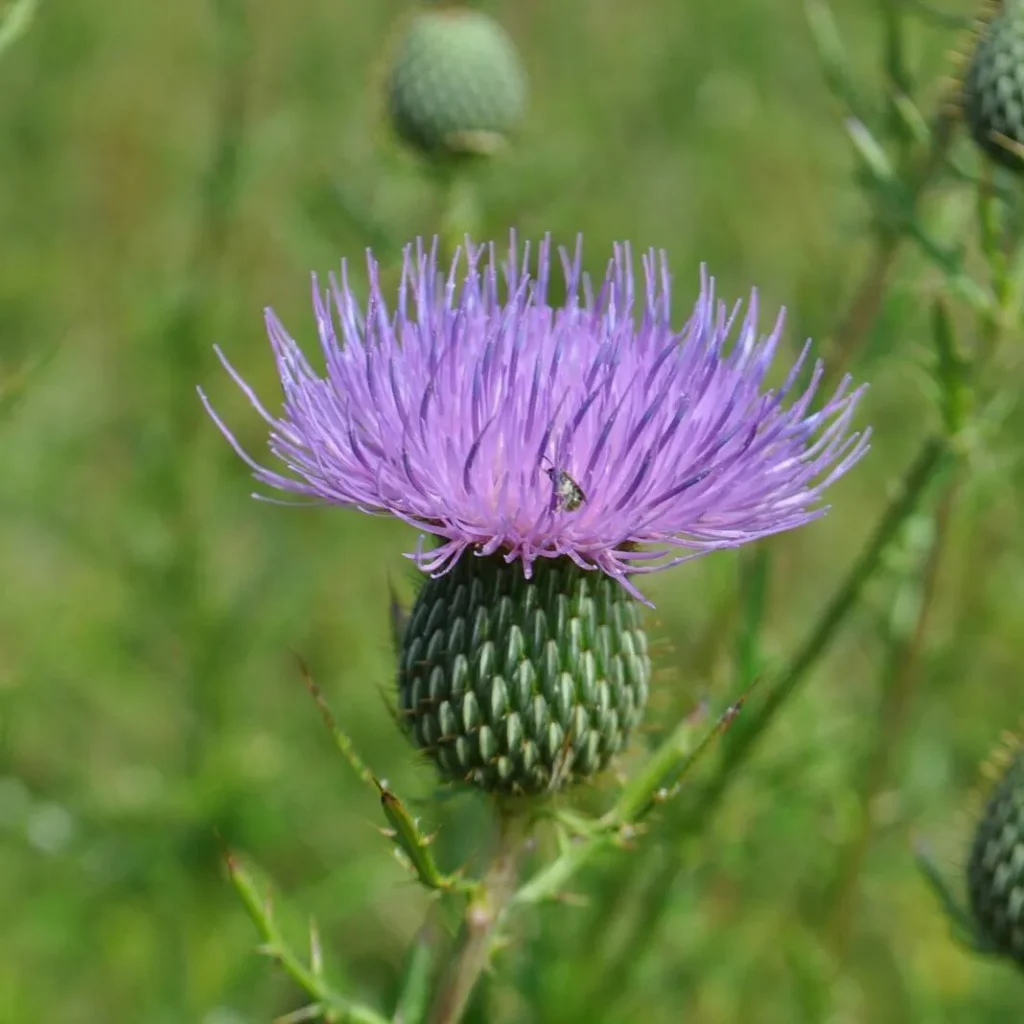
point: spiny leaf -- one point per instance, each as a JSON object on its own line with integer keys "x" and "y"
{"x": 663, "y": 775}
{"x": 961, "y": 925}
{"x": 414, "y": 845}
{"x": 341, "y": 739}
{"x": 331, "y": 1005}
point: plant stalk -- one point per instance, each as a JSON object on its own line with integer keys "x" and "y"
{"x": 931, "y": 460}
{"x": 892, "y": 721}
{"x": 482, "y": 917}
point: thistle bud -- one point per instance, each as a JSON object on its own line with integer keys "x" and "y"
{"x": 993, "y": 91}
{"x": 456, "y": 84}
{"x": 995, "y": 871}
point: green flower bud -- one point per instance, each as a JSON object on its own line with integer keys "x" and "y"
{"x": 519, "y": 686}
{"x": 993, "y": 94}
{"x": 995, "y": 871}
{"x": 456, "y": 84}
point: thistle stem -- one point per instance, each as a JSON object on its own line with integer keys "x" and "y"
{"x": 482, "y": 917}
{"x": 863, "y": 309}
{"x": 892, "y": 720}
{"x": 933, "y": 459}
{"x": 457, "y": 213}
{"x": 867, "y": 300}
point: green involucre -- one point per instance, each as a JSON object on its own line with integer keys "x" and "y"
{"x": 519, "y": 686}
{"x": 456, "y": 83}
{"x": 993, "y": 100}
{"x": 995, "y": 871}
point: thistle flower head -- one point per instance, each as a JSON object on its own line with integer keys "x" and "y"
{"x": 593, "y": 430}
{"x": 554, "y": 453}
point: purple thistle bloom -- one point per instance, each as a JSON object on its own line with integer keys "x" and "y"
{"x": 509, "y": 426}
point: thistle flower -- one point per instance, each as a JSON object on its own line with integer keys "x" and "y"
{"x": 555, "y": 455}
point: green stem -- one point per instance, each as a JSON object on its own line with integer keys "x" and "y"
{"x": 330, "y": 1004}
{"x": 551, "y": 881}
{"x": 863, "y": 309}
{"x": 483, "y": 914}
{"x": 891, "y": 723}
{"x": 660, "y": 778}
{"x": 644, "y": 908}
{"x": 931, "y": 460}
{"x": 186, "y": 358}
{"x": 457, "y": 213}
{"x": 867, "y": 300}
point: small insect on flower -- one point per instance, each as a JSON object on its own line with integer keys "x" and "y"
{"x": 568, "y": 494}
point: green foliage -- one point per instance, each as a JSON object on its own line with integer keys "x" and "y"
{"x": 15, "y": 19}
{"x": 169, "y": 170}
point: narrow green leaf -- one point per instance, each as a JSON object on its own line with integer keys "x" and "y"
{"x": 414, "y": 997}
{"x": 934, "y": 458}
{"x": 14, "y": 22}
{"x": 341, "y": 739}
{"x": 332, "y": 1005}
{"x": 316, "y": 951}
{"x": 914, "y": 123}
{"x": 660, "y": 778}
{"x": 314, "y": 1011}
{"x": 549, "y": 883}
{"x": 950, "y": 262}
{"x": 405, "y": 833}
{"x": 896, "y": 69}
{"x": 245, "y": 884}
{"x": 951, "y": 369}
{"x": 871, "y": 152}
{"x": 13, "y": 388}
{"x": 988, "y": 221}
{"x": 835, "y": 60}
{"x": 961, "y": 924}
{"x": 755, "y": 574}
{"x": 943, "y": 19}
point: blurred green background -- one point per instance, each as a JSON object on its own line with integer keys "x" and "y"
{"x": 166, "y": 171}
